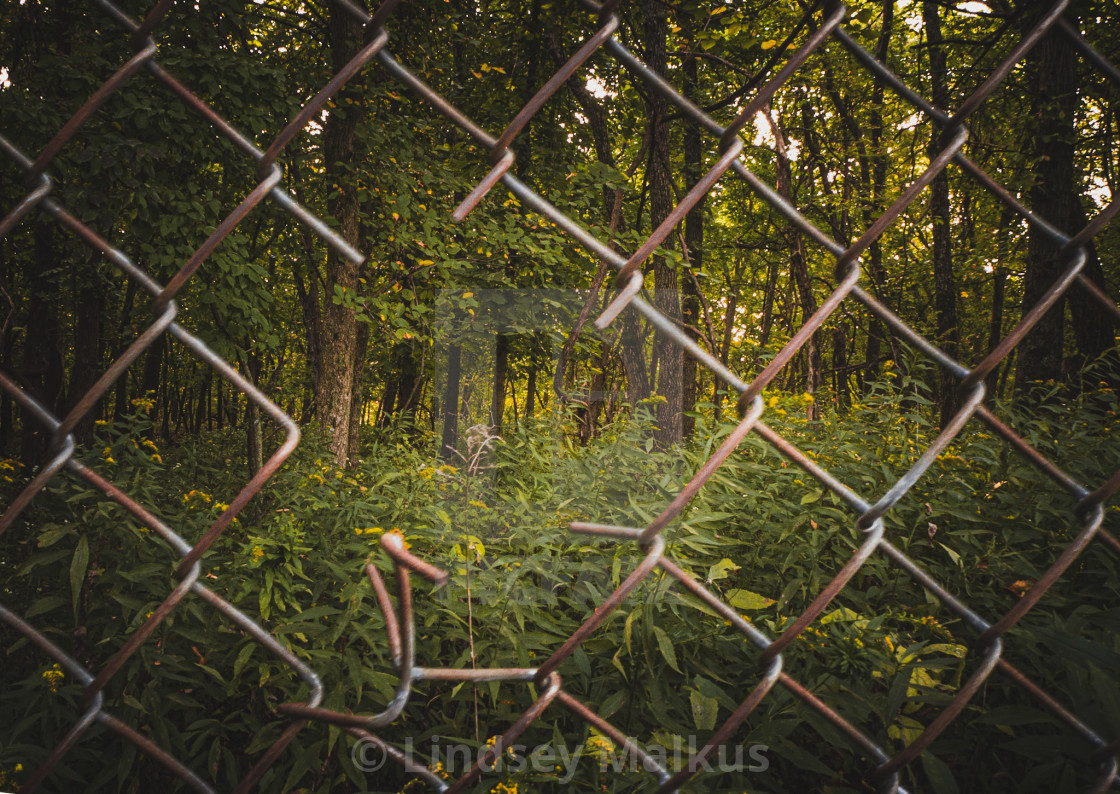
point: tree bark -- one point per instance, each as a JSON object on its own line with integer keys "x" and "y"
{"x": 451, "y": 402}
{"x": 995, "y": 322}
{"x": 1052, "y": 62}
{"x": 357, "y": 397}
{"x": 501, "y": 371}
{"x": 255, "y": 453}
{"x": 42, "y": 357}
{"x": 666, "y": 296}
{"x": 1093, "y": 326}
{"x": 694, "y": 243}
{"x": 339, "y": 339}
{"x": 799, "y": 268}
{"x": 86, "y": 368}
{"x": 531, "y": 392}
{"x": 944, "y": 284}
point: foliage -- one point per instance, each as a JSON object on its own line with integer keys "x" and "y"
{"x": 151, "y": 176}
{"x": 983, "y": 522}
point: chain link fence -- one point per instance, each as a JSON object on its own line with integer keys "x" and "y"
{"x": 820, "y": 24}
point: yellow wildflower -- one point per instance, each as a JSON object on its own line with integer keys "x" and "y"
{"x": 200, "y": 496}
{"x": 53, "y": 676}
{"x": 146, "y": 403}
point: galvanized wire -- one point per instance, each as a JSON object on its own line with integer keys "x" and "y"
{"x": 882, "y": 767}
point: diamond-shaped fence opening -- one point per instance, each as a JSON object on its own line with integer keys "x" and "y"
{"x": 983, "y": 646}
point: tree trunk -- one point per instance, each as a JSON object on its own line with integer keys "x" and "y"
{"x": 123, "y": 328}
{"x": 153, "y": 365}
{"x": 86, "y": 368}
{"x": 340, "y": 326}
{"x": 944, "y": 285}
{"x": 308, "y": 293}
{"x": 1093, "y": 325}
{"x": 531, "y": 392}
{"x": 995, "y": 322}
{"x": 666, "y": 296}
{"x": 799, "y": 268}
{"x": 255, "y": 453}
{"x": 841, "y": 387}
{"x": 877, "y": 330}
{"x": 633, "y": 360}
{"x": 451, "y": 402}
{"x": 357, "y": 397}
{"x": 202, "y": 409}
{"x": 1052, "y": 62}
{"x": 501, "y": 371}
{"x": 694, "y": 243}
{"x": 42, "y": 359}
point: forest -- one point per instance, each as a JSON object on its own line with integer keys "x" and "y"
{"x": 452, "y": 385}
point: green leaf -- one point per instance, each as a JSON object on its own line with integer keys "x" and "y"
{"x": 45, "y": 604}
{"x": 746, "y": 600}
{"x": 721, "y": 570}
{"x": 612, "y": 704}
{"x": 41, "y": 559}
{"x": 629, "y": 631}
{"x": 665, "y": 645}
{"x": 940, "y": 778}
{"x": 704, "y": 710}
{"x": 53, "y": 535}
{"x": 618, "y": 664}
{"x": 243, "y": 659}
{"x": 78, "y": 565}
{"x": 956, "y": 557}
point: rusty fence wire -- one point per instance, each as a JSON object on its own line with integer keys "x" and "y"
{"x": 820, "y": 24}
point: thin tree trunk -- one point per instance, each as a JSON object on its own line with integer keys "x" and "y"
{"x": 42, "y": 360}
{"x": 842, "y": 388}
{"x": 799, "y": 268}
{"x": 666, "y": 296}
{"x": 995, "y": 323}
{"x": 339, "y": 339}
{"x": 202, "y": 409}
{"x": 252, "y": 371}
{"x": 944, "y": 284}
{"x": 1053, "y": 194}
{"x": 153, "y": 365}
{"x": 694, "y": 243}
{"x": 451, "y": 402}
{"x": 357, "y": 397}
{"x": 531, "y": 393}
{"x": 1093, "y": 325}
{"x": 877, "y": 330}
{"x": 86, "y": 368}
{"x": 501, "y": 371}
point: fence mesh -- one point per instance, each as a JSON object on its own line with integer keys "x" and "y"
{"x": 823, "y": 24}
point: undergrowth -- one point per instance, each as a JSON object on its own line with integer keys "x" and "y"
{"x": 762, "y": 533}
